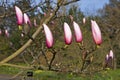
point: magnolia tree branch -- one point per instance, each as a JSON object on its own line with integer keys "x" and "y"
{"x": 86, "y": 53}
{"x": 17, "y": 66}
{"x": 53, "y": 57}
{"x": 28, "y": 10}
{"x": 67, "y": 3}
{"x": 28, "y": 43}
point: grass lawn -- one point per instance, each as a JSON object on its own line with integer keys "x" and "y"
{"x": 50, "y": 75}
{"x": 103, "y": 75}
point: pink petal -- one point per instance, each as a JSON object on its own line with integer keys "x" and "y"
{"x": 27, "y": 19}
{"x": 19, "y": 15}
{"x": 84, "y": 20}
{"x": 78, "y": 33}
{"x": 107, "y": 57}
{"x": 22, "y": 35}
{"x": 35, "y": 24}
{"x": 96, "y": 33}
{"x": 6, "y": 33}
{"x": 48, "y": 35}
{"x": 0, "y": 31}
{"x": 67, "y": 34}
{"x": 71, "y": 17}
{"x": 45, "y": 14}
{"x": 111, "y": 54}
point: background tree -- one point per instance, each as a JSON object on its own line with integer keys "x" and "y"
{"x": 75, "y": 58}
{"x": 110, "y": 24}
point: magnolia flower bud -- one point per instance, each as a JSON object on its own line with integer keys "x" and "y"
{"x": 78, "y": 33}
{"x": 35, "y": 23}
{"x": 19, "y": 15}
{"x": 0, "y": 31}
{"x": 6, "y": 33}
{"x": 107, "y": 57}
{"x": 27, "y": 19}
{"x": 96, "y": 32}
{"x": 67, "y": 34}
{"x": 84, "y": 20}
{"x": 48, "y": 35}
{"x": 111, "y": 54}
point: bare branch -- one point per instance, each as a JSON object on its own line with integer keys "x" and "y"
{"x": 67, "y": 3}
{"x": 27, "y": 44}
{"x": 17, "y": 66}
{"x": 28, "y": 10}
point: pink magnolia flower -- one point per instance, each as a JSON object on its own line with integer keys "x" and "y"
{"x": 111, "y": 54}
{"x": 107, "y": 57}
{"x": 19, "y": 15}
{"x": 78, "y": 33}
{"x": 48, "y": 35}
{"x": 67, "y": 34}
{"x": 22, "y": 35}
{"x": 51, "y": 14}
{"x": 35, "y": 23}
{"x": 52, "y": 22}
{"x": 84, "y": 20}
{"x": 71, "y": 17}
{"x": 6, "y": 33}
{"x": 45, "y": 14}
{"x": 0, "y": 31}
{"x": 27, "y": 19}
{"x": 96, "y": 32}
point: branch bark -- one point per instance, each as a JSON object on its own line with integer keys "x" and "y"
{"x": 70, "y": 2}
{"x": 27, "y": 44}
{"x": 17, "y": 66}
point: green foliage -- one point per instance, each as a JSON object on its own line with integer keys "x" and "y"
{"x": 55, "y": 76}
{"x": 104, "y": 75}
{"x": 71, "y": 58}
{"x": 8, "y": 70}
{"x": 50, "y": 75}
{"x": 77, "y": 15}
{"x": 15, "y": 39}
{"x": 109, "y": 22}
{"x": 4, "y": 43}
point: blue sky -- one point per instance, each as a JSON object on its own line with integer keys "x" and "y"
{"x": 91, "y": 6}
{"x": 88, "y": 7}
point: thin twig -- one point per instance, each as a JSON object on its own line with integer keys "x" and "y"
{"x": 17, "y": 66}
{"x": 27, "y": 44}
{"x": 19, "y": 73}
{"x": 53, "y": 57}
